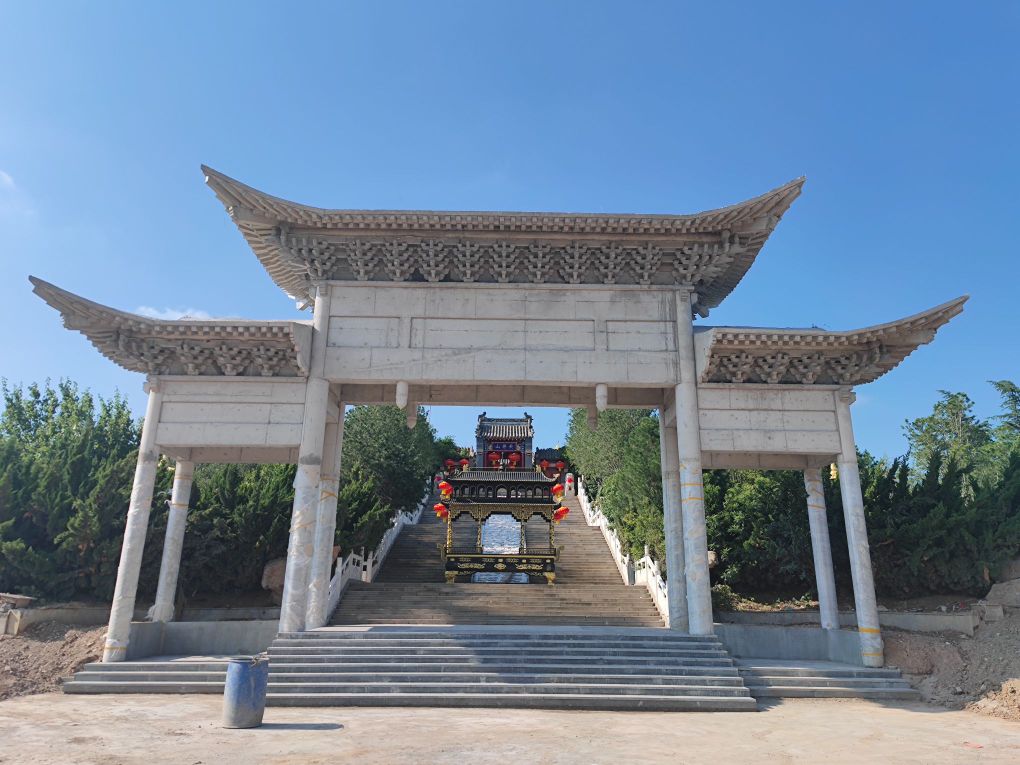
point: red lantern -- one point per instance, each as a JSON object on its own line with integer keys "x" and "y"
{"x": 450, "y": 462}
{"x": 557, "y": 489}
{"x": 544, "y": 464}
{"x": 465, "y": 462}
{"x": 560, "y": 464}
{"x": 441, "y": 510}
{"x": 560, "y": 513}
{"x": 444, "y": 485}
{"x": 514, "y": 458}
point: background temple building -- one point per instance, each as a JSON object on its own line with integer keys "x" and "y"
{"x": 504, "y": 442}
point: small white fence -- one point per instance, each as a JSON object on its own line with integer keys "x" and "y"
{"x": 361, "y": 567}
{"x": 644, "y": 571}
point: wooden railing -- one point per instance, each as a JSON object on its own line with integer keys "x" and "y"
{"x": 645, "y": 570}
{"x": 358, "y": 565}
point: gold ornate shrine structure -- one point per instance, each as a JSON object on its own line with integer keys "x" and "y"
{"x": 481, "y": 494}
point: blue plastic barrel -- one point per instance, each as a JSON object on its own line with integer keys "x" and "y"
{"x": 244, "y": 694}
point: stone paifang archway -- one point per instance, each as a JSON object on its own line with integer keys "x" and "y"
{"x": 494, "y": 308}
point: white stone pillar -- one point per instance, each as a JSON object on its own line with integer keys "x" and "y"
{"x": 676, "y": 582}
{"x": 173, "y": 542}
{"x": 325, "y": 525}
{"x": 821, "y": 549}
{"x": 872, "y": 651}
{"x": 692, "y": 490}
{"x": 294, "y": 606}
{"x": 123, "y": 607}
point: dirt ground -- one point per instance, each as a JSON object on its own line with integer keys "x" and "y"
{"x": 980, "y": 673}
{"x": 36, "y": 661}
{"x": 129, "y": 730}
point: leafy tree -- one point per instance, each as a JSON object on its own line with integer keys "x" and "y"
{"x": 377, "y": 440}
{"x": 598, "y": 454}
{"x": 631, "y": 497}
{"x": 64, "y": 457}
{"x": 951, "y": 432}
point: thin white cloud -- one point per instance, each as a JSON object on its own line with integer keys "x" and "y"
{"x": 172, "y": 314}
{"x": 14, "y": 203}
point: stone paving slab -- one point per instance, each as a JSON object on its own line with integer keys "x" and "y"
{"x": 53, "y": 728}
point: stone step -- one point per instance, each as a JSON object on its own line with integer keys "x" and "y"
{"x": 822, "y": 682}
{"x": 833, "y": 692}
{"x": 523, "y": 701}
{"x": 630, "y": 636}
{"x": 286, "y": 676}
{"x": 494, "y": 641}
{"x": 443, "y": 689}
{"x": 792, "y": 672}
{"x": 487, "y": 672}
{"x": 685, "y": 669}
{"x": 485, "y": 651}
{"x": 389, "y": 621}
{"x": 101, "y": 686}
{"x": 152, "y": 676}
{"x": 502, "y": 659}
{"x": 156, "y": 666}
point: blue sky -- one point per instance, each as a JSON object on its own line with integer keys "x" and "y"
{"x": 903, "y": 116}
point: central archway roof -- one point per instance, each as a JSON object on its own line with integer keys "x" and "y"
{"x": 298, "y": 244}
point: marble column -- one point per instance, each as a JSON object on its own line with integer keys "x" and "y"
{"x": 325, "y": 525}
{"x": 173, "y": 543}
{"x": 294, "y": 606}
{"x": 122, "y": 609}
{"x": 676, "y": 582}
{"x": 872, "y": 650}
{"x": 692, "y": 490}
{"x": 821, "y": 549}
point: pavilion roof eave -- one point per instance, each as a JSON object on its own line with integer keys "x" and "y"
{"x": 228, "y": 347}
{"x": 815, "y": 356}
{"x": 282, "y": 234}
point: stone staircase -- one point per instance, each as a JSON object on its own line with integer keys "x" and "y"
{"x": 587, "y": 642}
{"x": 821, "y": 679}
{"x": 409, "y": 588}
{"x": 536, "y": 667}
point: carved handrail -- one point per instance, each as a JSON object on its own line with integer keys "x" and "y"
{"x": 363, "y": 567}
{"x": 644, "y": 571}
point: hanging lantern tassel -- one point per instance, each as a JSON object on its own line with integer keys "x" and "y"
{"x": 441, "y": 510}
{"x": 560, "y": 513}
{"x": 833, "y": 472}
{"x": 557, "y": 492}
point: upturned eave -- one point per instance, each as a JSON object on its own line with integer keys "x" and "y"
{"x": 198, "y": 347}
{"x": 815, "y": 356}
{"x": 708, "y": 251}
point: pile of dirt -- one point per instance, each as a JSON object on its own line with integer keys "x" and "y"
{"x": 980, "y": 673}
{"x": 36, "y": 661}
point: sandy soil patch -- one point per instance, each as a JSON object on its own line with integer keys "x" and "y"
{"x": 36, "y": 661}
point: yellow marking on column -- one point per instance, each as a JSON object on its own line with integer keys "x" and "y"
{"x": 871, "y": 654}
{"x": 693, "y": 483}
{"x": 179, "y": 504}
{"x": 688, "y": 499}
{"x": 327, "y": 494}
{"x": 869, "y": 630}
{"x": 816, "y": 507}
